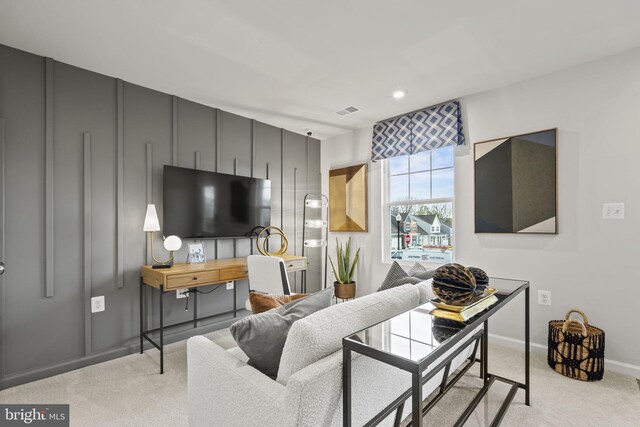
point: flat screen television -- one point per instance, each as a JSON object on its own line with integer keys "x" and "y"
{"x": 209, "y": 205}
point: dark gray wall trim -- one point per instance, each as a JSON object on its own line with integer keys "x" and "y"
{"x": 174, "y": 131}
{"x": 149, "y": 196}
{"x": 253, "y": 147}
{"x": 120, "y": 185}
{"x": 87, "y": 243}
{"x": 3, "y": 294}
{"x": 282, "y": 177}
{"x": 295, "y": 217}
{"x": 49, "y": 173}
{"x": 217, "y": 168}
{"x": 149, "y": 185}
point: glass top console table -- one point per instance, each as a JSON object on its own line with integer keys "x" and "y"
{"x": 413, "y": 341}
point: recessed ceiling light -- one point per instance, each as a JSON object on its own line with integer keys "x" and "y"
{"x": 397, "y": 94}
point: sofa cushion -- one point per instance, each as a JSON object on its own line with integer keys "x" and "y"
{"x": 320, "y": 334}
{"x": 262, "y": 336}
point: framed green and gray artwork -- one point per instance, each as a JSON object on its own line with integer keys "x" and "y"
{"x": 516, "y": 184}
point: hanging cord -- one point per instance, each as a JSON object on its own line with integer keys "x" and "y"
{"x": 186, "y": 294}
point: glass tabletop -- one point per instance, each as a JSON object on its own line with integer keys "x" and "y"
{"x": 417, "y": 333}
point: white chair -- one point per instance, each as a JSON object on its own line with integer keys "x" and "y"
{"x": 267, "y": 274}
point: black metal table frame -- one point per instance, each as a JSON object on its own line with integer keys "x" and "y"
{"x": 480, "y": 337}
{"x": 144, "y": 334}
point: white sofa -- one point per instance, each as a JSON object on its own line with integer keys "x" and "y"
{"x": 224, "y": 391}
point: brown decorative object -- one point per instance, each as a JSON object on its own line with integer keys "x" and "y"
{"x": 454, "y": 284}
{"x": 265, "y": 302}
{"x": 576, "y": 349}
{"x": 348, "y": 199}
{"x": 345, "y": 290}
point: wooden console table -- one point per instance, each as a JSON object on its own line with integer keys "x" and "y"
{"x": 215, "y": 272}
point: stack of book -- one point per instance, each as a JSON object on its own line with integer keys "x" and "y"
{"x": 465, "y": 312}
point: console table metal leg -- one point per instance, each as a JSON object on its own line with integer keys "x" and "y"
{"x": 141, "y": 315}
{"x": 235, "y": 296}
{"x": 527, "y": 345}
{"x": 485, "y": 352}
{"x": 195, "y": 309}
{"x": 416, "y": 400}
{"x": 161, "y": 331}
{"x": 346, "y": 387}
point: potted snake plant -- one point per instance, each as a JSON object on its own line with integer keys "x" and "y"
{"x": 345, "y": 286}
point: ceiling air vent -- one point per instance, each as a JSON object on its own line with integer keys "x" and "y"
{"x": 348, "y": 110}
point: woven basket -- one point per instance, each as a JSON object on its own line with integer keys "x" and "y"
{"x": 576, "y": 349}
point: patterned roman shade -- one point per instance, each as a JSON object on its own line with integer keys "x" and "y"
{"x": 427, "y": 129}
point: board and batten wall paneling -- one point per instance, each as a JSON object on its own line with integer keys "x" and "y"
{"x": 294, "y": 188}
{"x": 3, "y": 233}
{"x": 87, "y": 255}
{"x": 267, "y": 165}
{"x": 49, "y": 181}
{"x": 196, "y": 138}
{"x": 235, "y": 158}
{"x": 22, "y": 86}
{"x": 120, "y": 184}
{"x": 106, "y": 142}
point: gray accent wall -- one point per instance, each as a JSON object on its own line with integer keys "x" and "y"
{"x": 81, "y": 155}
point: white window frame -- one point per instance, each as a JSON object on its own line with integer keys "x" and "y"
{"x": 386, "y": 226}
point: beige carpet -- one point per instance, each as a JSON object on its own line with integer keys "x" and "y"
{"x": 130, "y": 392}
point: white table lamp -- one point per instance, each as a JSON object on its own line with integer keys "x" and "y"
{"x": 171, "y": 243}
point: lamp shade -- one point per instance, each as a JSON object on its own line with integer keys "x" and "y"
{"x": 151, "y": 222}
{"x": 172, "y": 243}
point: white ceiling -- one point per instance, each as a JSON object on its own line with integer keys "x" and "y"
{"x": 293, "y": 63}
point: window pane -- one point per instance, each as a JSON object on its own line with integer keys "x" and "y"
{"x": 428, "y": 236}
{"x": 420, "y": 162}
{"x": 442, "y": 183}
{"x": 398, "y": 165}
{"x": 420, "y": 186}
{"x": 443, "y": 157}
{"x": 398, "y": 188}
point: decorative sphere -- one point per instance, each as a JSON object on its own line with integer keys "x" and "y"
{"x": 172, "y": 243}
{"x": 482, "y": 280}
{"x": 454, "y": 284}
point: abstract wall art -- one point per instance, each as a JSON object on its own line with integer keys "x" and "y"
{"x": 348, "y": 199}
{"x": 516, "y": 184}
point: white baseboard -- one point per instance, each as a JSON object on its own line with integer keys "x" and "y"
{"x": 612, "y": 365}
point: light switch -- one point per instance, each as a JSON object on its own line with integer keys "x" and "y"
{"x": 613, "y": 211}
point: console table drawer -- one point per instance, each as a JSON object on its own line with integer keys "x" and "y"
{"x": 296, "y": 264}
{"x": 234, "y": 273}
{"x": 191, "y": 279}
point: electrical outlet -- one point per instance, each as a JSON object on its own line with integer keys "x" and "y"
{"x": 230, "y": 286}
{"x": 97, "y": 304}
{"x": 613, "y": 210}
{"x": 544, "y": 297}
{"x": 182, "y": 293}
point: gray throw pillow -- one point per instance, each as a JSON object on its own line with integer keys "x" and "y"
{"x": 417, "y": 268}
{"x": 396, "y": 273}
{"x": 405, "y": 281}
{"x": 262, "y": 336}
{"x": 424, "y": 275}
